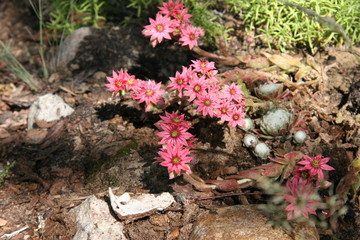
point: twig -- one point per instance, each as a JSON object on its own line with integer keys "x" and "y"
{"x": 228, "y": 195}
{"x": 67, "y": 90}
{"x": 9, "y": 235}
{"x": 230, "y": 60}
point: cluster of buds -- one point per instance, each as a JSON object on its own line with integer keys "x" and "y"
{"x": 176, "y": 143}
{"x": 173, "y": 22}
{"x": 302, "y": 187}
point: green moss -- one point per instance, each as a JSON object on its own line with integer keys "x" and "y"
{"x": 285, "y": 26}
{"x": 105, "y": 162}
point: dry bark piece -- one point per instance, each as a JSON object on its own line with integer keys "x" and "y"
{"x": 3, "y": 222}
{"x": 35, "y": 135}
{"x": 132, "y": 208}
{"x": 4, "y": 133}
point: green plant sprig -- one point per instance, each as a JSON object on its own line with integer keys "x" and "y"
{"x": 16, "y": 67}
{"x": 67, "y": 16}
{"x": 39, "y": 13}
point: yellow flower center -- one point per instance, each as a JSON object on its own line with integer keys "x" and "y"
{"x": 118, "y": 83}
{"x": 207, "y": 102}
{"x": 197, "y": 88}
{"x": 130, "y": 81}
{"x": 174, "y": 134}
{"x": 235, "y": 117}
{"x": 232, "y": 91}
{"x": 149, "y": 92}
{"x": 176, "y": 120}
{"x": 223, "y": 110}
{"x": 304, "y": 175}
{"x": 315, "y": 163}
{"x": 159, "y": 28}
{"x": 180, "y": 81}
{"x": 175, "y": 160}
{"x": 192, "y": 36}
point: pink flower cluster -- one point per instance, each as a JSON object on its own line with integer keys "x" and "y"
{"x": 303, "y": 185}
{"x": 199, "y": 85}
{"x": 176, "y": 143}
{"x": 143, "y": 91}
{"x": 172, "y": 21}
{"x": 196, "y": 84}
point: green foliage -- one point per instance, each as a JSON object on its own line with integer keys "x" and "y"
{"x": 4, "y": 171}
{"x": 285, "y": 26}
{"x": 203, "y": 16}
{"x": 141, "y": 5}
{"x": 67, "y": 16}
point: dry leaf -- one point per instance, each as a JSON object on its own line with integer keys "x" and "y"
{"x": 303, "y": 71}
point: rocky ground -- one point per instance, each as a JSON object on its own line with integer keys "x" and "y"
{"x": 60, "y": 170}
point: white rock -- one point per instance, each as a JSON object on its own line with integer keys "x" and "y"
{"x": 94, "y": 221}
{"x": 139, "y": 206}
{"x": 48, "y": 108}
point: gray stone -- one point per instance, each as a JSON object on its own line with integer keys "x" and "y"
{"x": 48, "y": 108}
{"x": 69, "y": 47}
{"x": 245, "y": 222}
{"x": 95, "y": 222}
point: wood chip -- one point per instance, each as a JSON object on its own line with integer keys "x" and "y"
{"x": 3, "y": 222}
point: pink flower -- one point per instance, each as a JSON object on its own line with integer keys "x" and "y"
{"x": 233, "y": 92}
{"x": 175, "y": 159}
{"x": 117, "y": 82}
{"x": 173, "y": 134}
{"x": 190, "y": 35}
{"x": 173, "y": 119}
{"x": 170, "y": 7}
{"x": 301, "y": 198}
{"x": 148, "y": 92}
{"x": 182, "y": 15}
{"x": 207, "y": 104}
{"x": 316, "y": 165}
{"x": 158, "y": 29}
{"x": 130, "y": 82}
{"x": 195, "y": 88}
{"x": 202, "y": 66}
{"x": 237, "y": 118}
{"x": 179, "y": 81}
{"x": 301, "y": 174}
{"x": 224, "y": 110}
{"x": 211, "y": 77}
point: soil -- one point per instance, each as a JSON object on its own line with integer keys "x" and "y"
{"x": 110, "y": 143}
